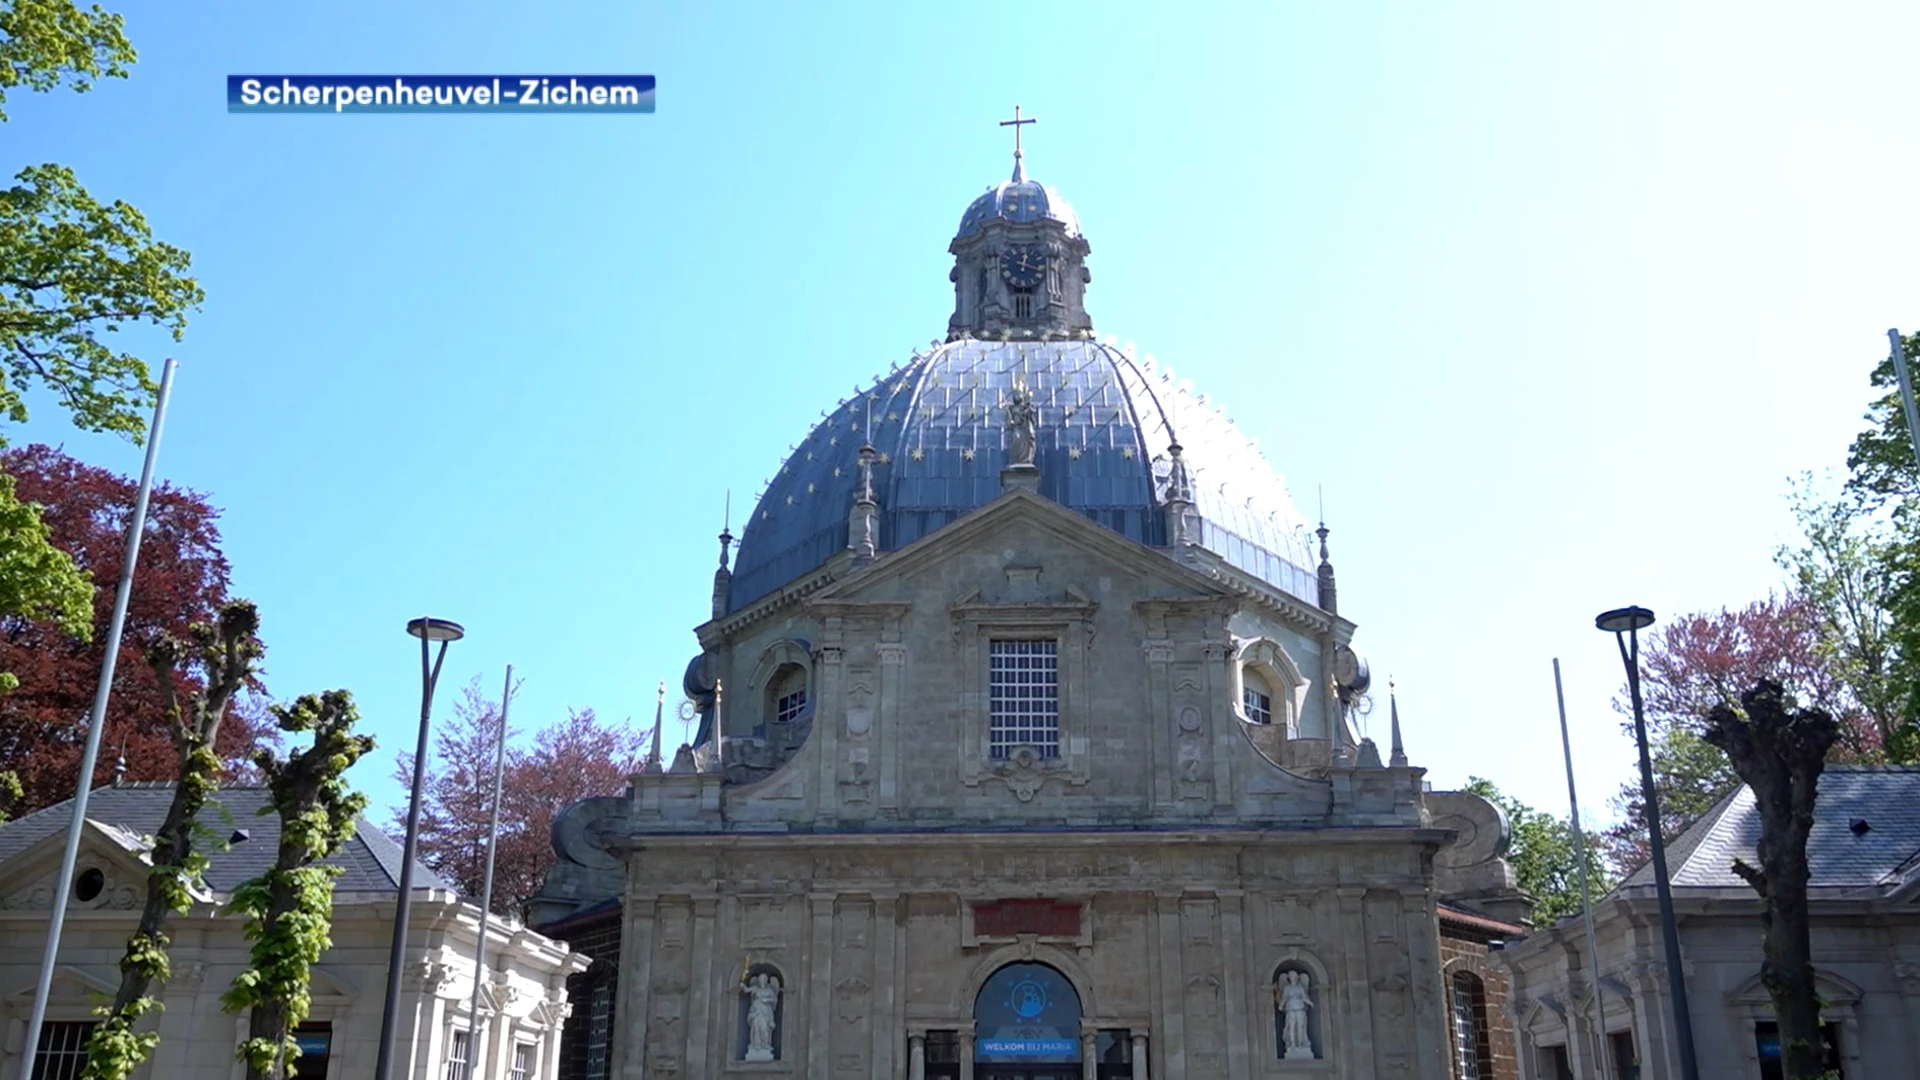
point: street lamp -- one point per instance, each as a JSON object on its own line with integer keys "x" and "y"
{"x": 428, "y": 630}
{"x": 1625, "y": 625}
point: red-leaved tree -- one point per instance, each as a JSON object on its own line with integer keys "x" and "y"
{"x": 1699, "y": 662}
{"x": 182, "y": 579}
{"x": 569, "y": 760}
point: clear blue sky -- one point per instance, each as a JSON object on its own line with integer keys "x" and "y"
{"x": 1551, "y": 298}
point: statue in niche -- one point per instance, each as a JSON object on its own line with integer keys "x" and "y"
{"x": 1293, "y": 998}
{"x": 763, "y": 1011}
{"x": 1022, "y": 425}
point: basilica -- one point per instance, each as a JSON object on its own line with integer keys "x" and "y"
{"x": 1027, "y": 750}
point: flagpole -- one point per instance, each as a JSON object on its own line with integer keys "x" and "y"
{"x": 1601, "y": 1049}
{"x": 96, "y": 724}
{"x": 474, "y": 1021}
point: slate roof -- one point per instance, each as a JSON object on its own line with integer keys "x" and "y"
{"x": 1886, "y": 797}
{"x": 1105, "y": 423}
{"x": 370, "y": 861}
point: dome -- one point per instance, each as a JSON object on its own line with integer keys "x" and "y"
{"x": 1105, "y": 423}
{"x": 1020, "y": 201}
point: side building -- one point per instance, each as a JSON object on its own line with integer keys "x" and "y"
{"x": 1865, "y": 909}
{"x": 524, "y": 994}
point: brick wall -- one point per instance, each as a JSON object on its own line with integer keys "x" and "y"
{"x": 585, "y": 1039}
{"x": 1463, "y": 948}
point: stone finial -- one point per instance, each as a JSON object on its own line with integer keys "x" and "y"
{"x": 723, "y": 578}
{"x": 1179, "y": 501}
{"x": 654, "y": 765}
{"x": 1397, "y": 756}
{"x": 1329, "y": 599}
{"x": 1369, "y": 755}
{"x": 863, "y": 523}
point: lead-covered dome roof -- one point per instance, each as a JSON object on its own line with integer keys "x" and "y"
{"x": 1105, "y": 423}
{"x": 1020, "y": 201}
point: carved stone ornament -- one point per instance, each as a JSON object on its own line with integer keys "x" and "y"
{"x": 1025, "y": 771}
{"x": 1158, "y": 652}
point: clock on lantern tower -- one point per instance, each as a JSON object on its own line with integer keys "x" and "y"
{"x": 1019, "y": 261}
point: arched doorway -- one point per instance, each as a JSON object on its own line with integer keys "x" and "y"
{"x": 1026, "y": 1023}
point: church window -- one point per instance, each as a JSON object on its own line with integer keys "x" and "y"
{"x": 1024, "y": 696}
{"x": 1471, "y": 1053}
{"x": 1258, "y": 699}
{"x": 787, "y": 694}
{"x": 1023, "y": 305}
{"x": 522, "y": 1062}
{"x": 458, "y": 1054}
{"x": 1766, "y": 1040}
{"x": 63, "y": 1050}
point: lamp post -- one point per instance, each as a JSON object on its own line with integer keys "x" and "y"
{"x": 1625, "y": 625}
{"x": 428, "y": 630}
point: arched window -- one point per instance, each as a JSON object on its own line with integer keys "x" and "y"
{"x": 1257, "y": 697}
{"x": 787, "y": 694}
{"x": 1467, "y": 1001}
{"x": 1027, "y": 1014}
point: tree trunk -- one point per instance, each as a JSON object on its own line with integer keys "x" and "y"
{"x": 1780, "y": 753}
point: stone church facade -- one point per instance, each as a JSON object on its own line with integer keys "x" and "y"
{"x": 1027, "y": 749}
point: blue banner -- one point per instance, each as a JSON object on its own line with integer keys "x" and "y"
{"x": 440, "y": 93}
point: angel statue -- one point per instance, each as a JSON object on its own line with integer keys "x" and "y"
{"x": 1293, "y": 1001}
{"x": 1022, "y": 422}
{"x": 763, "y": 1004}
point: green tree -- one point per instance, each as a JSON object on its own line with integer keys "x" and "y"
{"x": 71, "y": 270}
{"x": 289, "y": 909}
{"x": 1882, "y": 478}
{"x": 1545, "y": 856}
{"x": 220, "y": 660}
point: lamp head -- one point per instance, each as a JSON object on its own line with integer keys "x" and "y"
{"x": 1621, "y": 620}
{"x": 436, "y": 629}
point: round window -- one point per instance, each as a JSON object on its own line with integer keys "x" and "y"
{"x": 91, "y": 883}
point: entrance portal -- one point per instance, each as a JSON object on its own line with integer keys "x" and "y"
{"x": 1026, "y": 1023}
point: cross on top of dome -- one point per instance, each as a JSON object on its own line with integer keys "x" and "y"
{"x": 1016, "y": 124}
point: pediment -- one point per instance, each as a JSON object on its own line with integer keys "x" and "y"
{"x": 119, "y": 855}
{"x": 330, "y": 987}
{"x": 1832, "y": 990}
{"x": 1018, "y": 527}
{"x": 71, "y": 984}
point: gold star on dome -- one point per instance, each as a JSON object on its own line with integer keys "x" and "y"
{"x": 892, "y": 417}
{"x": 919, "y": 454}
{"x": 883, "y": 458}
{"x": 1127, "y": 452}
{"x": 810, "y": 487}
{"x": 1073, "y": 452}
{"x": 809, "y": 455}
{"x": 835, "y": 441}
{"x": 765, "y": 514}
{"x": 789, "y": 500}
{"x": 836, "y": 470}
{"x": 967, "y": 454}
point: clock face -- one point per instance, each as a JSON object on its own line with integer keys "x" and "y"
{"x": 1023, "y": 267}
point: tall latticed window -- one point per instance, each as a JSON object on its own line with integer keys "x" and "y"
{"x": 1471, "y": 1054}
{"x": 522, "y": 1062}
{"x": 1255, "y": 697}
{"x": 1023, "y": 305}
{"x": 1024, "y": 696}
{"x": 789, "y": 694}
{"x": 62, "y": 1052}
{"x": 459, "y": 1055}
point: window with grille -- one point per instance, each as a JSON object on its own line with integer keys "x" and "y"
{"x": 459, "y": 1053}
{"x": 62, "y": 1051}
{"x": 787, "y": 694}
{"x": 1256, "y": 699}
{"x": 522, "y": 1062}
{"x": 1023, "y": 305}
{"x": 316, "y": 1051}
{"x": 1471, "y": 1058}
{"x": 600, "y": 1030}
{"x": 1024, "y": 696}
